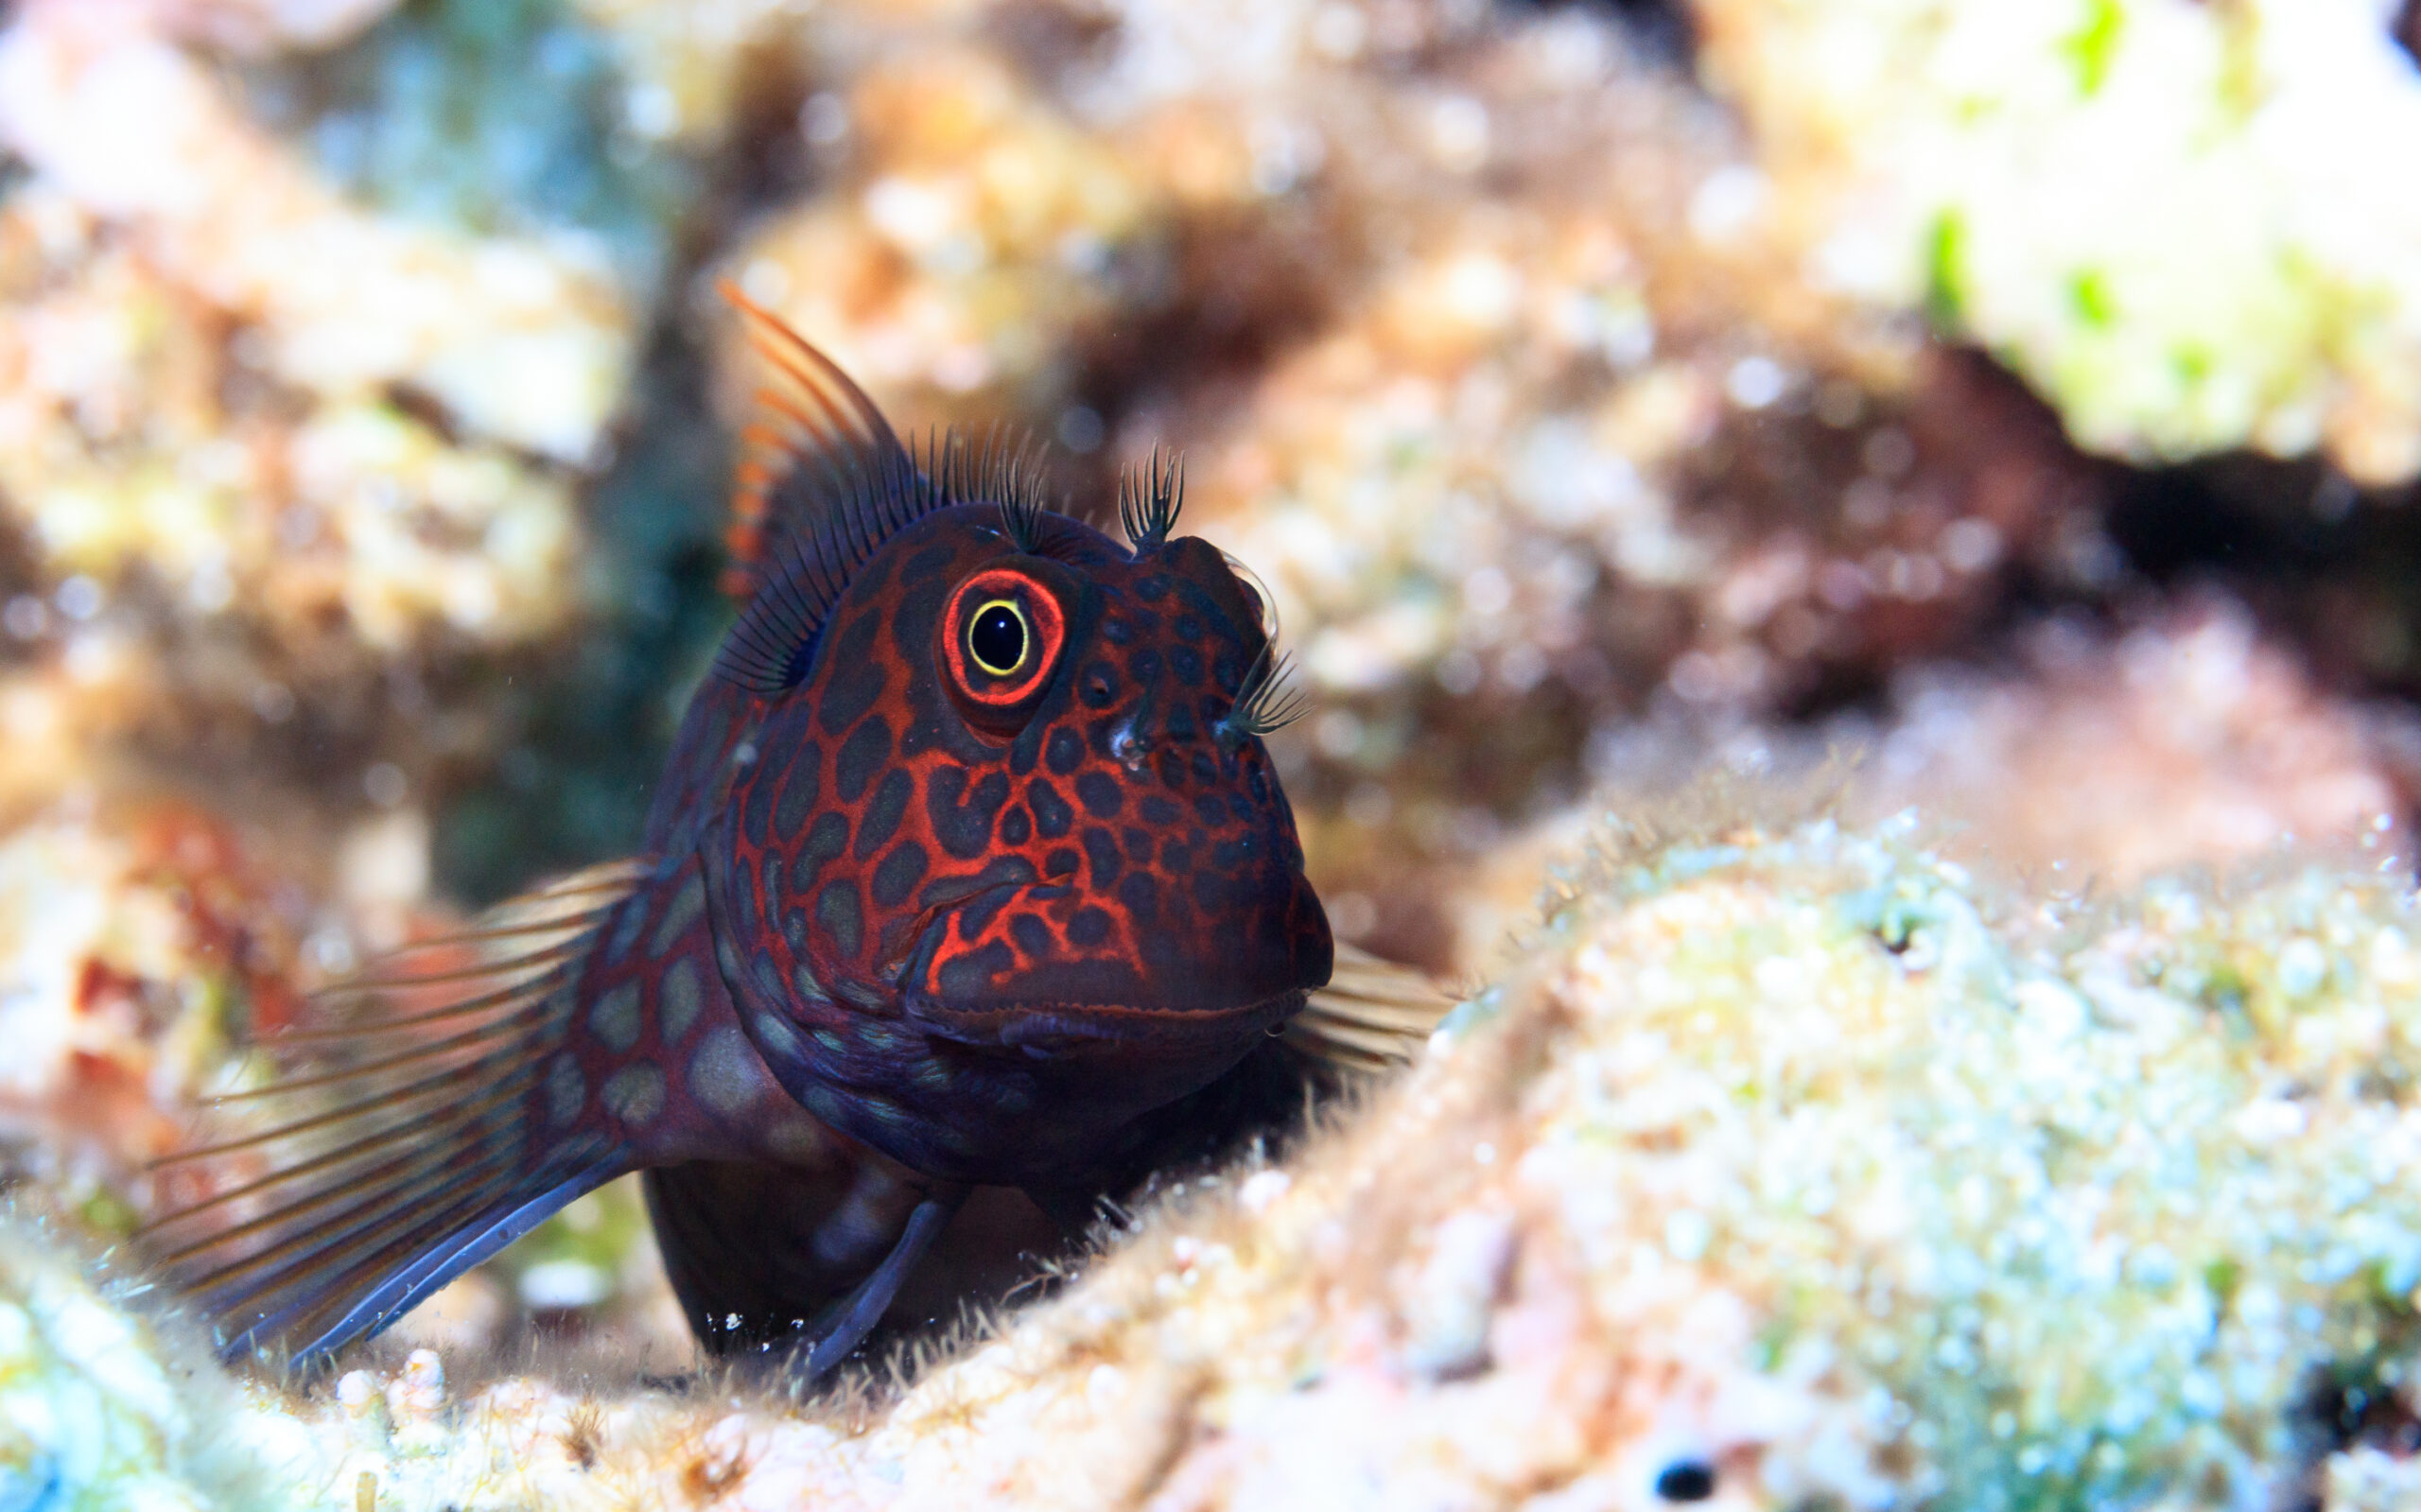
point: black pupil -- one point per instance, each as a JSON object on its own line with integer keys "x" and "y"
{"x": 998, "y": 638}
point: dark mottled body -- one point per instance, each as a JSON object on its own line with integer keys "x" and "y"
{"x": 969, "y": 868}
{"x": 984, "y": 961}
{"x": 937, "y": 941}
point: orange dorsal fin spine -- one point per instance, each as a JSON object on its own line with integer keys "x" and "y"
{"x": 815, "y": 446}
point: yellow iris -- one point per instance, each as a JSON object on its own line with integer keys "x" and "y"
{"x": 998, "y": 636}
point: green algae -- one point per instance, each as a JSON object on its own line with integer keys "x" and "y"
{"x": 2151, "y": 1216}
{"x": 2090, "y": 47}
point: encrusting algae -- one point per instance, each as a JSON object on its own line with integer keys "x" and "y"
{"x": 2022, "y": 174}
{"x": 1561, "y": 409}
{"x": 1784, "y": 1166}
{"x": 98, "y": 1408}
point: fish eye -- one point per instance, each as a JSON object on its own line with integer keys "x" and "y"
{"x": 997, "y": 637}
{"x": 999, "y": 642}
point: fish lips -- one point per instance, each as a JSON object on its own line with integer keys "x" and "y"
{"x": 1049, "y": 1000}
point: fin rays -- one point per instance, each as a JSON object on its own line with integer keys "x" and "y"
{"x": 399, "y": 1132}
{"x": 405, "y": 1177}
{"x": 394, "y": 1023}
{"x": 467, "y": 939}
{"x": 342, "y": 1155}
{"x": 1373, "y": 1014}
{"x": 826, "y": 483}
{"x": 468, "y": 1244}
{"x": 445, "y": 1080}
{"x": 495, "y": 1028}
{"x": 294, "y": 1287}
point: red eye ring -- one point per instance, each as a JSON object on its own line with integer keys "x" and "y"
{"x": 1045, "y": 624}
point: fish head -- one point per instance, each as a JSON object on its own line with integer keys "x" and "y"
{"x": 1019, "y": 796}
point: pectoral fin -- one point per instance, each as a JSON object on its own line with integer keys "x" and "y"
{"x": 1372, "y": 1016}
{"x": 395, "y": 1139}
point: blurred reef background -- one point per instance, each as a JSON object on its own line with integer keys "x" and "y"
{"x": 2007, "y": 413}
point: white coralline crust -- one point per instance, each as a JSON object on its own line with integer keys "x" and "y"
{"x": 204, "y": 343}
{"x": 97, "y": 1410}
{"x": 2182, "y": 223}
{"x": 1786, "y": 1165}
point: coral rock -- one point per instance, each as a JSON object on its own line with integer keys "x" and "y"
{"x": 2172, "y": 217}
{"x": 1782, "y": 1165}
{"x": 135, "y": 954}
{"x": 200, "y": 371}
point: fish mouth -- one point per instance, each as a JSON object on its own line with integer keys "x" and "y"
{"x": 1053, "y": 1029}
{"x": 982, "y": 990}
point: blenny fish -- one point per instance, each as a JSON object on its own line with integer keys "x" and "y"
{"x": 969, "y": 868}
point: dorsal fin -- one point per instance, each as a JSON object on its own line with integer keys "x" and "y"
{"x": 824, "y": 482}
{"x": 818, "y": 452}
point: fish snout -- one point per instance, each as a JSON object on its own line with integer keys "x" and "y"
{"x": 1028, "y": 963}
